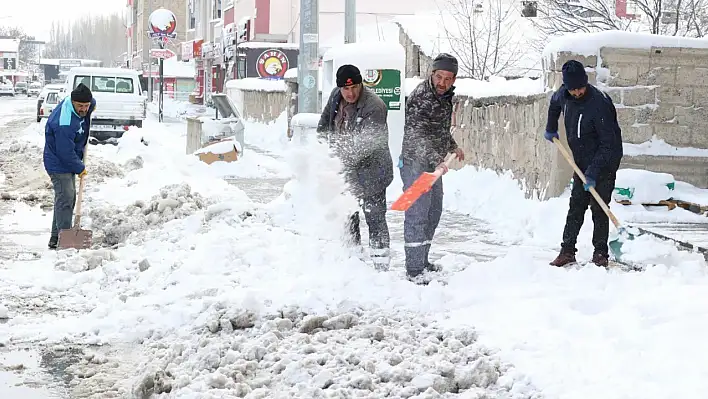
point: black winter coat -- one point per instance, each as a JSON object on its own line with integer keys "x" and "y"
{"x": 594, "y": 135}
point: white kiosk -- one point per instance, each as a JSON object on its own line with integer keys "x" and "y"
{"x": 383, "y": 67}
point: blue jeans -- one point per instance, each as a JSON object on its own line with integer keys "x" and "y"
{"x": 421, "y": 219}
{"x": 64, "y": 201}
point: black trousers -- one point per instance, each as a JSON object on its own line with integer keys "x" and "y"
{"x": 374, "y": 208}
{"x": 579, "y": 202}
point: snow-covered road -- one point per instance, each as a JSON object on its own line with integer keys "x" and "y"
{"x": 209, "y": 289}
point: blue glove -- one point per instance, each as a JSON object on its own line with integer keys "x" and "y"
{"x": 590, "y": 182}
{"x": 551, "y": 135}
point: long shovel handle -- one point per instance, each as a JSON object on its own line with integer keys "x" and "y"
{"x": 439, "y": 171}
{"x": 80, "y": 197}
{"x": 594, "y": 193}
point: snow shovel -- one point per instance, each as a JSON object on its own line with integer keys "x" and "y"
{"x": 421, "y": 186}
{"x": 616, "y": 244}
{"x": 75, "y": 237}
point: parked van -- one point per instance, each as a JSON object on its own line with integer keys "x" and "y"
{"x": 119, "y": 97}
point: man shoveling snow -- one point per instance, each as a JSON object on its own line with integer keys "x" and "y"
{"x": 66, "y": 135}
{"x": 353, "y": 122}
{"x": 595, "y": 139}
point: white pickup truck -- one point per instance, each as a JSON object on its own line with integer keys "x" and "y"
{"x": 120, "y": 102}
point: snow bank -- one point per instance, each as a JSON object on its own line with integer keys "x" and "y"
{"x": 177, "y": 109}
{"x": 590, "y": 43}
{"x": 257, "y": 84}
{"x": 495, "y": 86}
{"x": 642, "y": 186}
{"x": 659, "y": 147}
{"x": 500, "y": 200}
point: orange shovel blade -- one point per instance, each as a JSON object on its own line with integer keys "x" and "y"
{"x": 421, "y": 186}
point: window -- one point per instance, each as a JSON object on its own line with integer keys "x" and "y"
{"x": 106, "y": 84}
{"x": 52, "y": 98}
{"x": 241, "y": 67}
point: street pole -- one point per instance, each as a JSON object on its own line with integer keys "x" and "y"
{"x": 308, "y": 59}
{"x": 162, "y": 84}
{"x": 349, "y": 21}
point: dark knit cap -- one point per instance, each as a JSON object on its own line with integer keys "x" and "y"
{"x": 445, "y": 62}
{"x": 81, "y": 94}
{"x": 574, "y": 76}
{"x": 348, "y": 75}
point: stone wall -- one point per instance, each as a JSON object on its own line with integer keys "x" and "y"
{"x": 417, "y": 62}
{"x": 659, "y": 92}
{"x": 505, "y": 134}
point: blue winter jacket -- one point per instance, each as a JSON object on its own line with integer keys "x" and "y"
{"x": 594, "y": 135}
{"x": 65, "y": 138}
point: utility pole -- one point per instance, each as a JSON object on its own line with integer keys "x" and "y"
{"x": 349, "y": 21}
{"x": 309, "y": 59}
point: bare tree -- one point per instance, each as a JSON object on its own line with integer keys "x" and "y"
{"x": 482, "y": 36}
{"x": 665, "y": 17}
{"x": 90, "y": 37}
{"x": 27, "y": 52}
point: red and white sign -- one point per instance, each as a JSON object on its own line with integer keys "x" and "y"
{"x": 161, "y": 53}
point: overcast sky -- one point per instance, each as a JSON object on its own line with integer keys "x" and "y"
{"x": 36, "y": 16}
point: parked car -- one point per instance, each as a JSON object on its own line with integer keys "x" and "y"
{"x": 21, "y": 87}
{"x": 6, "y": 88}
{"x": 34, "y": 89}
{"x": 50, "y": 88}
{"x": 119, "y": 97}
{"x": 48, "y": 105}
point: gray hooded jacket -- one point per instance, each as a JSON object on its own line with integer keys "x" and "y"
{"x": 362, "y": 145}
{"x": 426, "y": 135}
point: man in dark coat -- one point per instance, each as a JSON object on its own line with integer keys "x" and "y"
{"x": 65, "y": 138}
{"x": 595, "y": 139}
{"x": 426, "y": 142}
{"x": 353, "y": 123}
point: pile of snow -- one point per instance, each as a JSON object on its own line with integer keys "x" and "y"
{"x": 493, "y": 87}
{"x": 112, "y": 225}
{"x": 358, "y": 352}
{"x": 172, "y": 108}
{"x": 642, "y": 186}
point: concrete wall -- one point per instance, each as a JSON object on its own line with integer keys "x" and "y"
{"x": 659, "y": 92}
{"x": 258, "y": 105}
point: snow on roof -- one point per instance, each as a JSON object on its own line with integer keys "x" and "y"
{"x": 257, "y": 84}
{"x": 444, "y": 32}
{"x": 102, "y": 70}
{"x": 9, "y": 45}
{"x": 495, "y": 87}
{"x": 590, "y": 43}
{"x": 293, "y": 46}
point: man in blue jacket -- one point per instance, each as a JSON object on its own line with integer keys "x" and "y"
{"x": 595, "y": 138}
{"x": 66, "y": 135}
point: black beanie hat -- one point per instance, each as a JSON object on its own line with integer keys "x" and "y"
{"x": 81, "y": 94}
{"x": 445, "y": 62}
{"x": 574, "y": 76}
{"x": 348, "y": 75}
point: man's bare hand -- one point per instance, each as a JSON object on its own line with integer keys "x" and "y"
{"x": 459, "y": 153}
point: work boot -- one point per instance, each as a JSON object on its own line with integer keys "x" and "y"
{"x": 601, "y": 258}
{"x": 564, "y": 259}
{"x": 432, "y": 267}
{"x": 53, "y": 242}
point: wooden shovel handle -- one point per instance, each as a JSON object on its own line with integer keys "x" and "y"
{"x": 80, "y": 197}
{"x": 580, "y": 173}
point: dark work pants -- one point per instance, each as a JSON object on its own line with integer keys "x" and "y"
{"x": 374, "y": 208}
{"x": 64, "y": 185}
{"x": 421, "y": 219}
{"x": 579, "y": 201}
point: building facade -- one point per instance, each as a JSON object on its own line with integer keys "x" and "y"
{"x": 139, "y": 43}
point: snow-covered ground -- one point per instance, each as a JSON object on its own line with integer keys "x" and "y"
{"x": 216, "y": 294}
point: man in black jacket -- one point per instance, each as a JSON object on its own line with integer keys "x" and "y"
{"x": 595, "y": 138}
{"x": 353, "y": 123}
{"x": 426, "y": 141}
